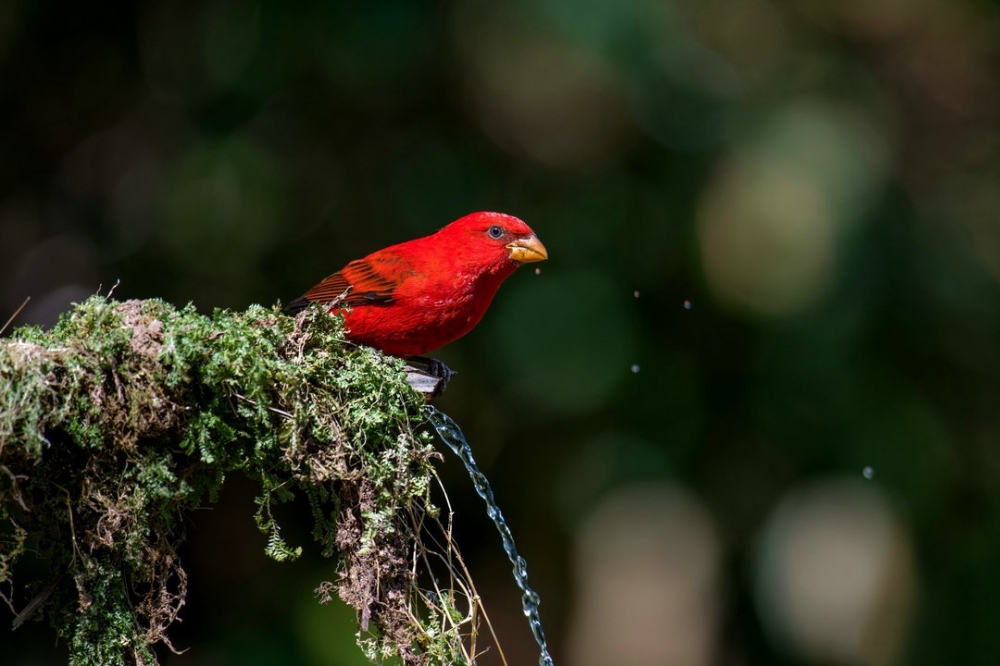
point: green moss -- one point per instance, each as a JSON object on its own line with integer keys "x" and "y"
{"x": 125, "y": 415}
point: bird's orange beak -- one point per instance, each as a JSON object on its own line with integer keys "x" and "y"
{"x": 528, "y": 250}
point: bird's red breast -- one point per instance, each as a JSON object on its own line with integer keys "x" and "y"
{"x": 412, "y": 298}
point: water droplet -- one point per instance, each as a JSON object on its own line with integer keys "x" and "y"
{"x": 868, "y": 472}
{"x": 636, "y": 293}
{"x": 635, "y": 368}
{"x": 687, "y": 305}
{"x": 538, "y": 270}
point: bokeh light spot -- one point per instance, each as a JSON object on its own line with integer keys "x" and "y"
{"x": 537, "y": 95}
{"x": 647, "y": 572}
{"x": 836, "y": 575}
{"x": 770, "y": 220}
{"x": 224, "y": 205}
{"x": 569, "y": 337}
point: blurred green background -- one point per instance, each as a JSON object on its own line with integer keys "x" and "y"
{"x": 747, "y": 413}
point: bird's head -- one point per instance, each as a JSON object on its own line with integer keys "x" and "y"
{"x": 504, "y": 238}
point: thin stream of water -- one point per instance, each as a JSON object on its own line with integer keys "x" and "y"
{"x": 452, "y": 435}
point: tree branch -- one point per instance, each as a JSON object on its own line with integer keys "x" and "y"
{"x": 127, "y": 414}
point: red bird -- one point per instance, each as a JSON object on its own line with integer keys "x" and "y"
{"x": 412, "y": 298}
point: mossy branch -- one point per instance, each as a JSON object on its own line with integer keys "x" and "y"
{"x": 125, "y": 415}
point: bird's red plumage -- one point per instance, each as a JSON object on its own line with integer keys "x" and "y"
{"x": 412, "y": 298}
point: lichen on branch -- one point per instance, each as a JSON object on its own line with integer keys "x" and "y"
{"x": 127, "y": 414}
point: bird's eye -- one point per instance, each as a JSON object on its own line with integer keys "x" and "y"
{"x": 496, "y": 231}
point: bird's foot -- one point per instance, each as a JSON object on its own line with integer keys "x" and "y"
{"x": 433, "y": 368}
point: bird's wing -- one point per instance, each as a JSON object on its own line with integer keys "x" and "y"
{"x": 364, "y": 281}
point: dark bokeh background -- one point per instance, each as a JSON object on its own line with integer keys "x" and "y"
{"x": 747, "y": 413}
